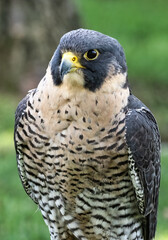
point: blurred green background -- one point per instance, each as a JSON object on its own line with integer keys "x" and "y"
{"x": 142, "y": 29}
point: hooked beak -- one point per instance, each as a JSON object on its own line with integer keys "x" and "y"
{"x": 69, "y": 63}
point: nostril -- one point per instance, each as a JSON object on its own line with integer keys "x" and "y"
{"x": 74, "y": 59}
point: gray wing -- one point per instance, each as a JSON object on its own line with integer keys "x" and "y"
{"x": 143, "y": 140}
{"x": 20, "y": 111}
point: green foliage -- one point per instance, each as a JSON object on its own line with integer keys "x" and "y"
{"x": 162, "y": 230}
{"x": 7, "y": 110}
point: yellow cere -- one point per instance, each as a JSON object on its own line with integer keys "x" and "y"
{"x": 71, "y": 57}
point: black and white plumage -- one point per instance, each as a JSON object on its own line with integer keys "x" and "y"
{"x": 143, "y": 141}
{"x": 88, "y": 151}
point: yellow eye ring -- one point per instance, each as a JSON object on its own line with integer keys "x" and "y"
{"x": 91, "y": 55}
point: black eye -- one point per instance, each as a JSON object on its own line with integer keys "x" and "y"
{"x": 91, "y": 54}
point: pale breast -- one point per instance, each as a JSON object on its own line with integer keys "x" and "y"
{"x": 78, "y": 151}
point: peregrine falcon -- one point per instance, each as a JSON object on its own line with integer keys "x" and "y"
{"x": 88, "y": 150}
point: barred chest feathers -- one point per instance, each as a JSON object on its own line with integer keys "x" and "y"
{"x": 81, "y": 159}
{"x": 88, "y": 150}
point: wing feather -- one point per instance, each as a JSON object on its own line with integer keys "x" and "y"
{"x": 20, "y": 111}
{"x": 143, "y": 140}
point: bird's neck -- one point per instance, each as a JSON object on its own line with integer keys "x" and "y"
{"x": 105, "y": 103}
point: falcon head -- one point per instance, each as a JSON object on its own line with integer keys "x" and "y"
{"x": 87, "y": 59}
